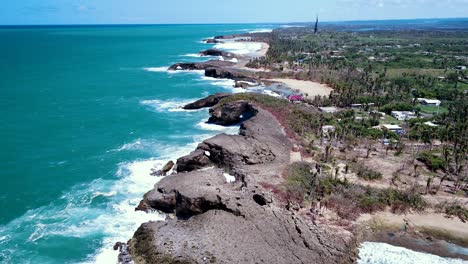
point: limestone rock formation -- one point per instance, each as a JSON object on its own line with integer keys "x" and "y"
{"x": 209, "y": 101}
{"x": 231, "y": 113}
{"x": 241, "y": 222}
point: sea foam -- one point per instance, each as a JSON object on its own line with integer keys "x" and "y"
{"x": 382, "y": 253}
{"x": 172, "y": 105}
{"x": 242, "y": 48}
{"x": 156, "y": 69}
{"x": 230, "y": 130}
{"x": 261, "y": 30}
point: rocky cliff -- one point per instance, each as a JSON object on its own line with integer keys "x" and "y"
{"x": 219, "y": 221}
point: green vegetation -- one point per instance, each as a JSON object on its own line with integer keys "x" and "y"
{"x": 305, "y": 185}
{"x": 458, "y": 211}
{"x": 350, "y": 200}
{"x": 397, "y": 106}
{"x": 368, "y": 174}
{"x": 432, "y": 161}
{"x": 300, "y": 181}
{"x": 373, "y": 72}
{"x": 384, "y": 71}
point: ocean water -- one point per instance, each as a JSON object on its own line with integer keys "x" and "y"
{"x": 86, "y": 112}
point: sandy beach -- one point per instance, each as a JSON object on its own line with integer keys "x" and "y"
{"x": 263, "y": 51}
{"x": 308, "y": 88}
{"x": 425, "y": 220}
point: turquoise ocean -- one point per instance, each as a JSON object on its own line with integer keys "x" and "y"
{"x": 86, "y": 112}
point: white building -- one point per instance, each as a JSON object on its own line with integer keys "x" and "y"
{"x": 403, "y": 115}
{"x": 394, "y": 128}
{"x": 433, "y": 102}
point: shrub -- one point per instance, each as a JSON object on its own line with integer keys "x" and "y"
{"x": 401, "y": 201}
{"x": 366, "y": 173}
{"x": 457, "y": 210}
{"x": 432, "y": 161}
{"x": 300, "y": 181}
{"x": 369, "y": 175}
{"x": 398, "y": 106}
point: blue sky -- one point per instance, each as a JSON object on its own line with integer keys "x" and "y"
{"x": 14, "y": 12}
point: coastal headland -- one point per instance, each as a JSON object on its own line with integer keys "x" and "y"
{"x": 232, "y": 200}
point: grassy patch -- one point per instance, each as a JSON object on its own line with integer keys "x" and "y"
{"x": 366, "y": 173}
{"x": 432, "y": 161}
{"x": 458, "y": 211}
{"x": 433, "y": 109}
{"x": 350, "y": 200}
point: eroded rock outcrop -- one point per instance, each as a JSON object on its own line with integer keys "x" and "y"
{"x": 196, "y": 160}
{"x": 225, "y": 73}
{"x": 240, "y": 222}
{"x": 231, "y": 113}
{"x": 209, "y": 101}
{"x": 217, "y": 52}
{"x": 193, "y": 66}
{"x": 212, "y": 41}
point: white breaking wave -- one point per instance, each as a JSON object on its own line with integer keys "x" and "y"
{"x": 291, "y": 26}
{"x": 225, "y": 83}
{"x": 382, "y": 253}
{"x": 165, "y": 69}
{"x": 137, "y": 144}
{"x": 241, "y": 48}
{"x": 230, "y": 130}
{"x": 156, "y": 69}
{"x": 124, "y": 220}
{"x": 173, "y": 105}
{"x": 193, "y": 55}
{"x": 262, "y": 30}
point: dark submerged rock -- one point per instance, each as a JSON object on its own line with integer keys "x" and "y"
{"x": 164, "y": 170}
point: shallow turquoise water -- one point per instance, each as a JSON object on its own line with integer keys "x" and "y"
{"x": 82, "y": 124}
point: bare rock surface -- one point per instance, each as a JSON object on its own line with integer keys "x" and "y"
{"x": 195, "y": 160}
{"x": 241, "y": 222}
{"x": 231, "y": 113}
{"x": 217, "y": 52}
{"x": 192, "y": 66}
{"x": 209, "y": 101}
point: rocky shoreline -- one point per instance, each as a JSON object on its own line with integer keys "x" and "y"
{"x": 212, "y": 220}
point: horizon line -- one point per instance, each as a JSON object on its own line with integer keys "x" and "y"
{"x": 223, "y": 23}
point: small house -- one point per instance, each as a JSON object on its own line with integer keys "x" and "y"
{"x": 403, "y": 115}
{"x": 394, "y": 128}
